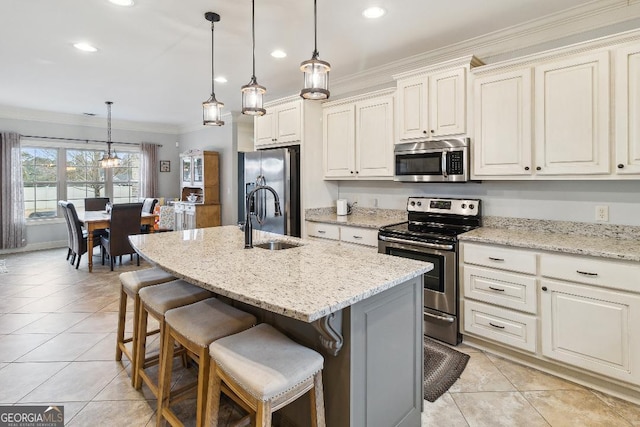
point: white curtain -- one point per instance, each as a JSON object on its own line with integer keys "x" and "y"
{"x": 149, "y": 166}
{"x": 13, "y": 232}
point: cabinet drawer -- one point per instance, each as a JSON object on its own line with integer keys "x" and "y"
{"x": 361, "y": 236}
{"x": 499, "y": 257}
{"x": 502, "y": 325}
{"x": 498, "y": 287}
{"x": 326, "y": 231}
{"x": 600, "y": 272}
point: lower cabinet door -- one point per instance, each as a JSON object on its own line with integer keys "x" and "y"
{"x": 592, "y": 328}
{"x": 504, "y": 326}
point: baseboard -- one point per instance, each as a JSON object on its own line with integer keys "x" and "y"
{"x": 36, "y": 247}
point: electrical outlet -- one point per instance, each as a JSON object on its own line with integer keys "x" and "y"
{"x": 602, "y": 213}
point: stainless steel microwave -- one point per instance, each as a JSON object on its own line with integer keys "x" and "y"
{"x": 445, "y": 160}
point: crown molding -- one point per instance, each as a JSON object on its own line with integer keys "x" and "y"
{"x": 17, "y": 113}
{"x": 362, "y": 97}
{"x": 571, "y": 22}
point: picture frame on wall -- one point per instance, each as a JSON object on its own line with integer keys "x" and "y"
{"x": 165, "y": 165}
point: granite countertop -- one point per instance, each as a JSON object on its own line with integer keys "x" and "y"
{"x": 617, "y": 242}
{"x": 304, "y": 283}
{"x": 361, "y": 217}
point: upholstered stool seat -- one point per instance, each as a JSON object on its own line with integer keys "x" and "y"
{"x": 156, "y": 301}
{"x": 131, "y": 282}
{"x": 267, "y": 371}
{"x": 195, "y": 327}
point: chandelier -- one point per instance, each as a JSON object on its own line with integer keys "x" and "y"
{"x": 109, "y": 159}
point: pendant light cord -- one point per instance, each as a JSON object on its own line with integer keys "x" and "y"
{"x": 315, "y": 30}
{"x": 212, "y": 62}
{"x": 253, "y": 37}
{"x": 109, "y": 127}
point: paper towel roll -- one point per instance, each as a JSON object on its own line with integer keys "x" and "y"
{"x": 341, "y": 207}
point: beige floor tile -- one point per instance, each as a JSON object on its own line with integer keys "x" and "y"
{"x": 105, "y": 349}
{"x": 63, "y": 347}
{"x": 626, "y": 410}
{"x": 14, "y": 346}
{"x": 495, "y": 409}
{"x": 120, "y": 389}
{"x": 13, "y": 304}
{"x": 129, "y": 413}
{"x": 70, "y": 408}
{"x": 19, "y": 379}
{"x": 45, "y": 305}
{"x": 88, "y": 304}
{"x": 574, "y": 408}
{"x": 40, "y": 291}
{"x": 464, "y": 348}
{"x": 13, "y": 321}
{"x": 52, "y": 323}
{"x": 78, "y": 381}
{"x": 442, "y": 413}
{"x": 7, "y": 290}
{"x": 97, "y": 322}
{"x": 529, "y": 379}
{"x": 480, "y": 374}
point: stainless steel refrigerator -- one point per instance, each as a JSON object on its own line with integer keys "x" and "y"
{"x": 280, "y": 169}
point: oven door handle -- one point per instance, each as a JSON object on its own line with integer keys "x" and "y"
{"x": 414, "y": 243}
{"x": 445, "y": 173}
{"x": 443, "y": 318}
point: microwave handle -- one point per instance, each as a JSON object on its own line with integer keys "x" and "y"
{"x": 444, "y": 165}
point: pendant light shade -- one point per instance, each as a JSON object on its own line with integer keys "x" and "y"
{"x": 252, "y": 93}
{"x": 316, "y": 72}
{"x": 212, "y": 108}
{"x": 109, "y": 159}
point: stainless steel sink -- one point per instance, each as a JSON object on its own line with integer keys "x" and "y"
{"x": 276, "y": 245}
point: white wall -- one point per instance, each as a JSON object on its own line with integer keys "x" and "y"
{"x": 554, "y": 200}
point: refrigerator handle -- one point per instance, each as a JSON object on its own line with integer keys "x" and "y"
{"x": 261, "y": 201}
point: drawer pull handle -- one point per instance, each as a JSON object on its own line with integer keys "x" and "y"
{"x": 321, "y": 231}
{"x": 496, "y": 326}
{"x": 586, "y": 273}
{"x": 496, "y": 289}
{"x": 357, "y": 237}
{"x": 496, "y": 259}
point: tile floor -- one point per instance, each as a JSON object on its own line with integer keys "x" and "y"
{"x": 57, "y": 345}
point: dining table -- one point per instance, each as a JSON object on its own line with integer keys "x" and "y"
{"x": 101, "y": 220}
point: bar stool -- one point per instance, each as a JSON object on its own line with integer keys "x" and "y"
{"x": 156, "y": 301}
{"x": 195, "y": 327}
{"x": 267, "y": 371}
{"x": 130, "y": 284}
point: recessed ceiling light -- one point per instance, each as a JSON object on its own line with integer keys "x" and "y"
{"x": 122, "y": 2}
{"x": 373, "y": 12}
{"x": 85, "y": 47}
{"x": 220, "y": 79}
{"x": 278, "y": 54}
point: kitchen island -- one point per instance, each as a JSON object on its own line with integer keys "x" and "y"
{"x": 360, "y": 309}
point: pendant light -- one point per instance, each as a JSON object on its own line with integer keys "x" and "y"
{"x": 316, "y": 72}
{"x": 211, "y": 108}
{"x": 109, "y": 159}
{"x": 252, "y": 92}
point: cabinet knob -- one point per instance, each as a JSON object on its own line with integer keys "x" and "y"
{"x": 526, "y": 168}
{"x": 357, "y": 172}
{"x": 433, "y": 131}
{"x": 620, "y": 166}
{"x": 544, "y": 288}
{"x": 351, "y": 171}
{"x": 538, "y": 168}
{"x": 424, "y": 131}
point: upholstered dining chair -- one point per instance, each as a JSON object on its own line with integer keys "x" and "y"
{"x": 148, "y": 205}
{"x": 125, "y": 221}
{"x": 79, "y": 241}
{"x": 96, "y": 203}
{"x": 65, "y": 213}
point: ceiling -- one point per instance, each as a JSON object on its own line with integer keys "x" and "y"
{"x": 154, "y": 58}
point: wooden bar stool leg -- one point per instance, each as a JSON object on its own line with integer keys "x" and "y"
{"x": 122, "y": 317}
{"x": 164, "y": 375}
{"x": 213, "y": 404}
{"x": 203, "y": 385}
{"x": 263, "y": 414}
{"x": 140, "y": 348}
{"x": 317, "y": 402}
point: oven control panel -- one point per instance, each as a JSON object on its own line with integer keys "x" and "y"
{"x": 466, "y": 207}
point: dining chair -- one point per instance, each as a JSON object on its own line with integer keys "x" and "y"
{"x": 79, "y": 241}
{"x": 65, "y": 213}
{"x": 96, "y": 203}
{"x": 148, "y": 205}
{"x": 125, "y": 221}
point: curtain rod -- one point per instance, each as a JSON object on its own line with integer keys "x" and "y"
{"x": 83, "y": 140}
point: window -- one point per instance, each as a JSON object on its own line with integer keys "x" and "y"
{"x": 72, "y": 172}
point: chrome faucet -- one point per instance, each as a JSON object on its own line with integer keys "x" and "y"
{"x": 248, "y": 227}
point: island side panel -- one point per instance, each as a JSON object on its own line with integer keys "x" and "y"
{"x": 387, "y": 357}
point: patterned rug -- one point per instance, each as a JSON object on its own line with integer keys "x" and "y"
{"x": 3, "y": 266}
{"x": 442, "y": 367}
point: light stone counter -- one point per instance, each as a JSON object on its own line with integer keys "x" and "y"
{"x": 305, "y": 283}
{"x": 361, "y": 217}
{"x": 616, "y": 242}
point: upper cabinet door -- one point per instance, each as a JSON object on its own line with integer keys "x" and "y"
{"x": 447, "y": 103}
{"x": 502, "y": 112}
{"x": 288, "y": 121}
{"x": 572, "y": 116}
{"x": 412, "y": 108}
{"x": 339, "y": 141}
{"x": 264, "y": 134}
{"x": 628, "y": 109}
{"x": 374, "y": 137}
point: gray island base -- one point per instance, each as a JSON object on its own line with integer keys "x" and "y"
{"x": 361, "y": 310}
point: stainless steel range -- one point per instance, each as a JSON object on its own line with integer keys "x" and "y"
{"x": 431, "y": 235}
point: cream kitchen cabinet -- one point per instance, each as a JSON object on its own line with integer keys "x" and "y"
{"x": 281, "y": 125}
{"x": 345, "y": 233}
{"x": 358, "y": 137}
{"x": 572, "y": 111}
{"x": 503, "y": 124}
{"x": 432, "y": 102}
{"x": 628, "y": 109}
